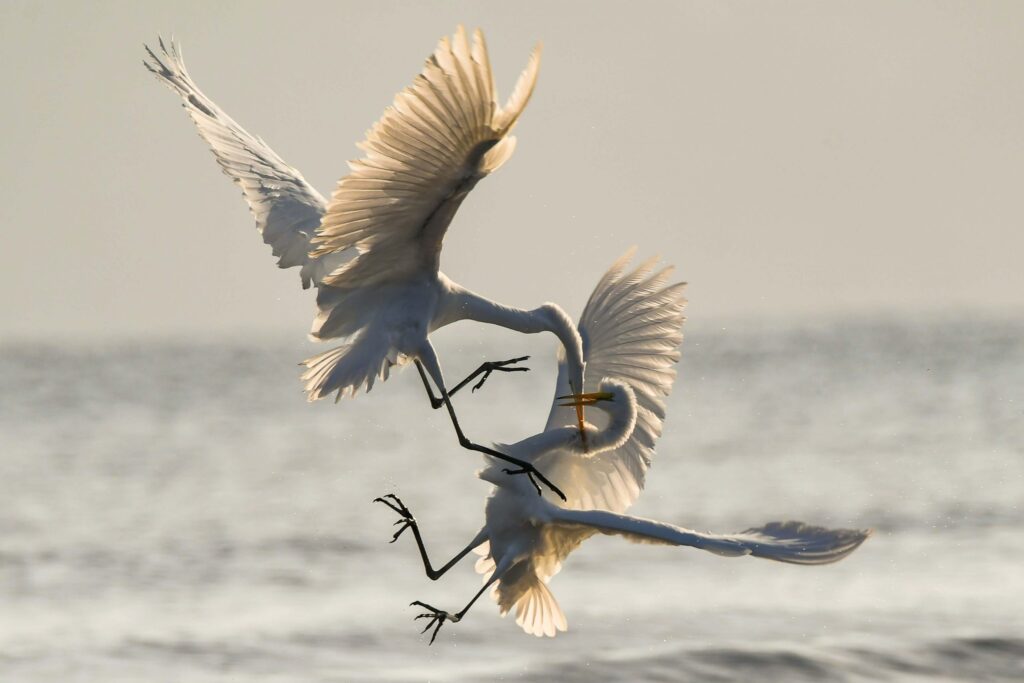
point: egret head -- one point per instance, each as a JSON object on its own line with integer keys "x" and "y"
{"x": 616, "y": 398}
{"x": 613, "y": 396}
{"x": 589, "y": 399}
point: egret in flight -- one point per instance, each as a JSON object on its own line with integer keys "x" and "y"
{"x": 373, "y": 251}
{"x": 631, "y": 329}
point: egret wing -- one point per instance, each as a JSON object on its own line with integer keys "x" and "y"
{"x": 792, "y": 542}
{"x": 287, "y": 209}
{"x": 632, "y": 330}
{"x": 440, "y": 136}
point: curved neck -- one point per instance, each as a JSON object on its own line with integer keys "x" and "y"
{"x": 475, "y": 307}
{"x": 463, "y": 304}
{"x": 622, "y": 414}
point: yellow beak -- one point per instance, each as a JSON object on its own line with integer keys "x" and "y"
{"x": 580, "y": 400}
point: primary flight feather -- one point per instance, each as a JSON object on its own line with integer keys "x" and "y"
{"x": 373, "y": 251}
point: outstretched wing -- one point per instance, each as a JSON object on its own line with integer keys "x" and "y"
{"x": 441, "y": 135}
{"x": 792, "y": 542}
{"x": 287, "y": 209}
{"x": 632, "y": 330}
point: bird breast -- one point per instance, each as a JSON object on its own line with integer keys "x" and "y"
{"x": 510, "y": 522}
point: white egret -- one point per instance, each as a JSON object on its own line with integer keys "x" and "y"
{"x": 374, "y": 250}
{"x": 631, "y": 329}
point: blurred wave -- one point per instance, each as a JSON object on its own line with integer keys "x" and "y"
{"x": 971, "y": 659}
{"x": 178, "y": 511}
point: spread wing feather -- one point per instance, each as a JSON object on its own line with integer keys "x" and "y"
{"x": 632, "y": 330}
{"x": 287, "y": 209}
{"x": 439, "y": 137}
{"x": 792, "y": 542}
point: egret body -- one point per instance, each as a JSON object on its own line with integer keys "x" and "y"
{"x": 631, "y": 328}
{"x": 373, "y": 251}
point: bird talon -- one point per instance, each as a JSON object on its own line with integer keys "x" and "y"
{"x": 397, "y": 506}
{"x": 530, "y": 472}
{"x": 533, "y": 481}
{"x": 481, "y": 382}
{"x": 406, "y": 519}
{"x": 398, "y": 533}
{"x": 437, "y": 618}
{"x": 499, "y": 365}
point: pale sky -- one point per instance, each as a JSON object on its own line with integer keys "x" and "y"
{"x": 792, "y": 159}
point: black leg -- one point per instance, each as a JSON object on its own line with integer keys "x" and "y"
{"x": 435, "y": 402}
{"x": 522, "y": 467}
{"x": 438, "y": 617}
{"x": 409, "y": 522}
{"x": 485, "y": 369}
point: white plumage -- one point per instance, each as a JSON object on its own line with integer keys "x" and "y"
{"x": 632, "y": 329}
{"x": 375, "y": 247}
{"x": 434, "y": 143}
{"x": 373, "y": 251}
{"x": 287, "y": 209}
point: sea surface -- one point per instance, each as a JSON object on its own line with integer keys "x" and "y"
{"x": 174, "y": 510}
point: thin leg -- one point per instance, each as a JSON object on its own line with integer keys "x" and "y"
{"x": 409, "y": 522}
{"x": 522, "y": 466}
{"x": 485, "y": 369}
{"x": 438, "y": 617}
{"x": 435, "y": 402}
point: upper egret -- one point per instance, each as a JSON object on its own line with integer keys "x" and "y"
{"x": 631, "y": 329}
{"x": 374, "y": 250}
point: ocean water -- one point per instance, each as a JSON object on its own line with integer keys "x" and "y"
{"x": 176, "y": 511}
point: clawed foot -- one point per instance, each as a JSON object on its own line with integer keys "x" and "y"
{"x": 396, "y": 504}
{"x": 437, "y": 618}
{"x": 499, "y": 366}
{"x": 485, "y": 369}
{"x": 530, "y": 471}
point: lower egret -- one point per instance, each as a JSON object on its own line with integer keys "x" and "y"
{"x": 631, "y": 329}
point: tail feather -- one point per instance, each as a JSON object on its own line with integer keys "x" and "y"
{"x": 347, "y": 368}
{"x": 537, "y": 611}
